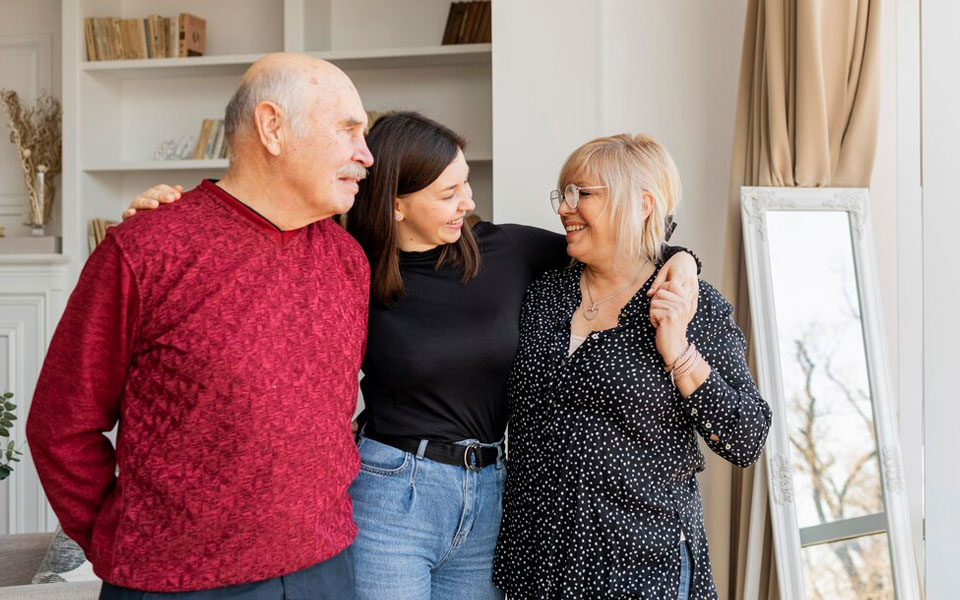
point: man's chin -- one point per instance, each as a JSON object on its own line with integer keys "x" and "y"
{"x": 343, "y": 205}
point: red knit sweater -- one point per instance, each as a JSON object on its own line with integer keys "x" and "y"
{"x": 228, "y": 351}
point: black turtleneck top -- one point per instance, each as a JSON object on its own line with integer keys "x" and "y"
{"x": 437, "y": 360}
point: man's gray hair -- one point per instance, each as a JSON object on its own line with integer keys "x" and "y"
{"x": 285, "y": 87}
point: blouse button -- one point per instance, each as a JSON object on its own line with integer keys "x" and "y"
{"x": 693, "y": 411}
{"x": 595, "y": 336}
{"x": 708, "y": 425}
{"x": 727, "y": 446}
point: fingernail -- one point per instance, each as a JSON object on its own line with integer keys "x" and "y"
{"x": 154, "y": 203}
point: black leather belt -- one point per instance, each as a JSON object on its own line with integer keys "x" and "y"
{"x": 473, "y": 457}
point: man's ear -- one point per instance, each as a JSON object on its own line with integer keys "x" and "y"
{"x": 268, "y": 119}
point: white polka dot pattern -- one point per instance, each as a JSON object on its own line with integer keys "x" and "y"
{"x": 603, "y": 449}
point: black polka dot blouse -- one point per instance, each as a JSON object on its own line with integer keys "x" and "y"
{"x": 603, "y": 449}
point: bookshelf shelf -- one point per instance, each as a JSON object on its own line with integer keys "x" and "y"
{"x": 376, "y": 58}
{"x": 148, "y": 68}
{"x": 148, "y": 166}
{"x": 393, "y": 58}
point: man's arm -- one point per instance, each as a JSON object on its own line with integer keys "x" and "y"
{"x": 77, "y": 398}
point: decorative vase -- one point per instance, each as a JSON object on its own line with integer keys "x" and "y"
{"x": 36, "y": 218}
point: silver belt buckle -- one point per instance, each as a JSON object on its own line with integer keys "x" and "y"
{"x": 466, "y": 456}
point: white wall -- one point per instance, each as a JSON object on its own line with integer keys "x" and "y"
{"x": 895, "y": 203}
{"x": 546, "y": 86}
{"x": 941, "y": 287}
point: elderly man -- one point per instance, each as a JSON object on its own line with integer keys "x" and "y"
{"x": 224, "y": 334}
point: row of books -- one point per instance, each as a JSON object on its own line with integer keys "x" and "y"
{"x": 112, "y": 38}
{"x": 211, "y": 141}
{"x": 96, "y": 231}
{"x": 468, "y": 23}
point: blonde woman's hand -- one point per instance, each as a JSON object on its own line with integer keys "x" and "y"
{"x": 152, "y": 198}
{"x": 681, "y": 271}
{"x": 670, "y": 313}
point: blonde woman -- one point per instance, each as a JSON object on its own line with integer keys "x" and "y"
{"x": 608, "y": 392}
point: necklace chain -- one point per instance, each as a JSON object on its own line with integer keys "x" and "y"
{"x": 590, "y": 313}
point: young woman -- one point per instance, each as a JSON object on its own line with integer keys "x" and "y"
{"x": 608, "y": 393}
{"x": 443, "y": 332}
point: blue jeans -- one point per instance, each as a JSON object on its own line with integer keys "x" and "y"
{"x": 332, "y": 579}
{"x": 426, "y": 530}
{"x": 686, "y": 572}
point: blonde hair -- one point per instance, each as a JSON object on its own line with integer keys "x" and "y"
{"x": 630, "y": 165}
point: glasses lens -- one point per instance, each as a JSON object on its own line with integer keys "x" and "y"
{"x": 555, "y": 200}
{"x": 571, "y": 195}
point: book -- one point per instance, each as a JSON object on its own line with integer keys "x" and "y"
{"x": 475, "y": 23}
{"x": 448, "y": 30}
{"x": 192, "y": 35}
{"x": 173, "y": 37}
{"x": 90, "y": 39}
{"x": 486, "y": 32}
{"x": 96, "y": 231}
{"x": 464, "y": 19}
{"x": 216, "y": 128}
{"x": 154, "y": 29}
{"x": 140, "y": 39}
{"x": 455, "y": 21}
{"x": 201, "y": 148}
{"x": 218, "y": 140}
{"x": 116, "y": 39}
{"x": 113, "y": 38}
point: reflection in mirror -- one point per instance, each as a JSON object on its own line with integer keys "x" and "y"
{"x": 825, "y": 384}
{"x": 840, "y": 532}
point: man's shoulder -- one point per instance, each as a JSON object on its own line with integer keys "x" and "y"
{"x": 343, "y": 245}
{"x": 166, "y": 220}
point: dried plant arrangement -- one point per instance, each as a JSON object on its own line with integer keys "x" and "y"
{"x": 36, "y": 133}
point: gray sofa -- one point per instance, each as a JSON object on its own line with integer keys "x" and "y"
{"x": 20, "y": 557}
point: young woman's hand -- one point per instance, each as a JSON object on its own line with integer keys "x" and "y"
{"x": 681, "y": 271}
{"x": 670, "y": 313}
{"x": 152, "y": 198}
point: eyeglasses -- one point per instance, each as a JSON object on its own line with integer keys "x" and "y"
{"x": 570, "y": 195}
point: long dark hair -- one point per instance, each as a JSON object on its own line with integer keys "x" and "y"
{"x": 410, "y": 151}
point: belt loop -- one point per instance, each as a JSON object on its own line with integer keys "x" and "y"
{"x": 422, "y": 448}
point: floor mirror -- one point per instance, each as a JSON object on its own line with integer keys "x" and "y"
{"x": 836, "y": 490}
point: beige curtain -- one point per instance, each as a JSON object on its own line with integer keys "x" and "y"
{"x": 807, "y": 115}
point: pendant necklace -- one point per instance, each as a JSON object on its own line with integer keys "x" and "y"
{"x": 590, "y": 313}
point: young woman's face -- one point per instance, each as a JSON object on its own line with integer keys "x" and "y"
{"x": 434, "y": 215}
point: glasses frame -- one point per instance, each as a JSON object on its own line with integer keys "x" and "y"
{"x": 570, "y": 196}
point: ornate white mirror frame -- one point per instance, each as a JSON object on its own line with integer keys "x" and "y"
{"x": 794, "y": 486}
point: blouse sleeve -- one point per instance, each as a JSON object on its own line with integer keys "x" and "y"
{"x": 727, "y": 408}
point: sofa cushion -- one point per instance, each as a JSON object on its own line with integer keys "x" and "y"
{"x": 64, "y": 562}
{"x": 87, "y": 590}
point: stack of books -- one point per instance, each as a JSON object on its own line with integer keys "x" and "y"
{"x": 211, "y": 141}
{"x": 468, "y": 23}
{"x": 112, "y": 38}
{"x": 96, "y": 231}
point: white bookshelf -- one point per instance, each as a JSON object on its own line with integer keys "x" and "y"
{"x": 117, "y": 112}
